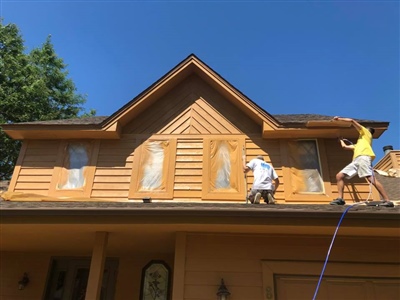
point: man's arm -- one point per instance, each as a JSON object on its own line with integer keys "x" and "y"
{"x": 345, "y": 146}
{"x": 353, "y": 122}
{"x": 276, "y": 184}
{"x": 245, "y": 168}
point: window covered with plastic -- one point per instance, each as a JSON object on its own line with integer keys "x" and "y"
{"x": 224, "y": 166}
{"x": 305, "y": 168}
{"x": 153, "y": 168}
{"x": 75, "y": 162}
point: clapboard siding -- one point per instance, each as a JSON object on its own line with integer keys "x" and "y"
{"x": 230, "y": 112}
{"x": 188, "y": 170}
{"x": 356, "y": 189}
{"x": 114, "y": 168}
{"x": 37, "y": 165}
{"x": 270, "y": 150}
{"x": 385, "y": 164}
{"x": 238, "y": 259}
{"x": 192, "y": 107}
{"x": 115, "y": 163}
{"x": 397, "y": 159}
{"x": 389, "y": 161}
{"x": 35, "y": 172}
{"x": 164, "y": 111}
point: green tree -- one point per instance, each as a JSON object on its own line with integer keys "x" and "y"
{"x": 33, "y": 87}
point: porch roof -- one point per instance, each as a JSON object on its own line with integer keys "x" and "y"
{"x": 195, "y": 209}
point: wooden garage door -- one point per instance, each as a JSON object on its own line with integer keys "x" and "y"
{"x": 295, "y": 280}
{"x": 303, "y": 287}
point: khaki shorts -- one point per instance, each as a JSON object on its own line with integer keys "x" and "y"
{"x": 361, "y": 165}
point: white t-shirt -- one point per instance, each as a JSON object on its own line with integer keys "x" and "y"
{"x": 263, "y": 172}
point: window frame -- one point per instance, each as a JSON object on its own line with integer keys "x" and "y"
{"x": 84, "y": 191}
{"x": 168, "y": 194}
{"x": 215, "y": 195}
{"x": 168, "y": 280}
{"x": 287, "y": 176}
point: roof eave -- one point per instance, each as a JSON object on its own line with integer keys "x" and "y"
{"x": 48, "y": 132}
{"x": 323, "y": 130}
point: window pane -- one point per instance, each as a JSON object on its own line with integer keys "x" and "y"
{"x": 75, "y": 161}
{"x": 224, "y": 165}
{"x": 305, "y": 167}
{"x": 155, "y": 282}
{"x": 153, "y": 166}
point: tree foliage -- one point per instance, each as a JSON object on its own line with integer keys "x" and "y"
{"x": 34, "y": 86}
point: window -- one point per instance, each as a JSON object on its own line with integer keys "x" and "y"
{"x": 153, "y": 170}
{"x": 68, "y": 278}
{"x": 223, "y": 174}
{"x": 76, "y": 160}
{"x": 305, "y": 170}
{"x": 74, "y": 171}
{"x": 305, "y": 167}
{"x": 155, "y": 281}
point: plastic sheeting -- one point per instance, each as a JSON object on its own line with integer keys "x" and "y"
{"x": 305, "y": 169}
{"x": 153, "y": 171}
{"x": 224, "y": 165}
{"x": 75, "y": 162}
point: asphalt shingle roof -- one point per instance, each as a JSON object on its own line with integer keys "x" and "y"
{"x": 282, "y": 118}
{"x": 195, "y": 209}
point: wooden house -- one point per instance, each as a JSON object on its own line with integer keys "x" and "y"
{"x": 132, "y": 206}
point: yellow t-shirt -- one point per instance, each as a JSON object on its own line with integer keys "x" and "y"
{"x": 364, "y": 144}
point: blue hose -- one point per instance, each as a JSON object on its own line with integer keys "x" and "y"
{"x": 330, "y": 248}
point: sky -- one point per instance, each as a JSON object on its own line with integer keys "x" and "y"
{"x": 336, "y": 58}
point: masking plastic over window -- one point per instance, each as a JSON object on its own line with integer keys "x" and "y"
{"x": 224, "y": 165}
{"x": 75, "y": 162}
{"x": 153, "y": 171}
{"x": 305, "y": 167}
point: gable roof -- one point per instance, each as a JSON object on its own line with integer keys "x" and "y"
{"x": 111, "y": 127}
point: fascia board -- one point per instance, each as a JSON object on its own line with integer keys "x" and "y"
{"x": 62, "y": 132}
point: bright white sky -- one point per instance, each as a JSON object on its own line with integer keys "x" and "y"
{"x": 320, "y": 57}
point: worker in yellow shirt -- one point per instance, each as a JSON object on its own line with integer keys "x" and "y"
{"x": 361, "y": 164}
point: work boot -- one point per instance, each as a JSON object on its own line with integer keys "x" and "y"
{"x": 271, "y": 199}
{"x": 338, "y": 201}
{"x": 257, "y": 198}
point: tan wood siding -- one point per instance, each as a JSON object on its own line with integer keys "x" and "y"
{"x": 192, "y": 108}
{"x": 396, "y": 154}
{"x": 230, "y": 112}
{"x": 238, "y": 259}
{"x": 114, "y": 167}
{"x": 356, "y": 189}
{"x": 36, "y": 167}
{"x": 164, "y": 111}
{"x": 384, "y": 164}
{"x": 270, "y": 150}
{"x": 389, "y": 161}
{"x": 188, "y": 170}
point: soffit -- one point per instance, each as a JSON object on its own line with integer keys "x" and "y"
{"x": 147, "y": 228}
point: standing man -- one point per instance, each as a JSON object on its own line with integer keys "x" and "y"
{"x": 361, "y": 164}
{"x": 264, "y": 174}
